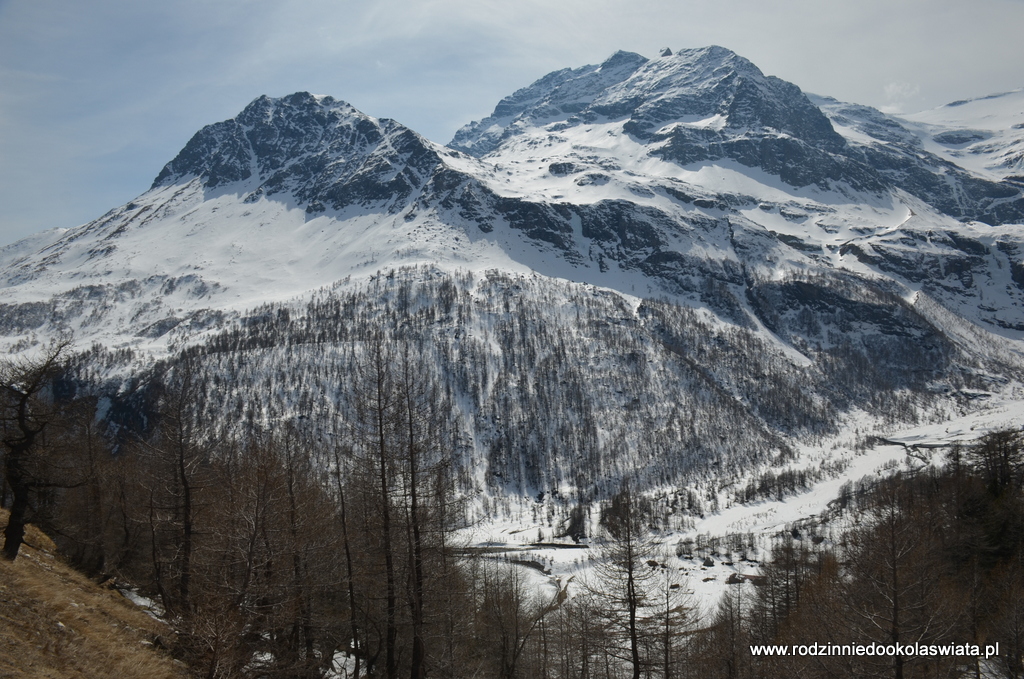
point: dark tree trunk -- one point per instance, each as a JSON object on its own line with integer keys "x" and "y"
{"x": 14, "y": 533}
{"x": 382, "y": 407}
{"x": 419, "y": 651}
{"x": 17, "y": 477}
{"x": 186, "y": 531}
{"x": 348, "y": 565}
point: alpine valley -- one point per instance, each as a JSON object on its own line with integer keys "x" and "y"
{"x": 675, "y": 270}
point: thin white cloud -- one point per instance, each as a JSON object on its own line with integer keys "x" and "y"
{"x": 898, "y": 96}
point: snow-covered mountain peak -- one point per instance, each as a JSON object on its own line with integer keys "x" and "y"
{"x": 556, "y": 96}
{"x": 225, "y": 152}
{"x": 710, "y": 107}
{"x": 700, "y": 76}
{"x": 713, "y": 81}
{"x": 688, "y": 86}
{"x": 316, "y": 149}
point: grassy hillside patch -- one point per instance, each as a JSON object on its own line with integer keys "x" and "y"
{"x": 55, "y": 622}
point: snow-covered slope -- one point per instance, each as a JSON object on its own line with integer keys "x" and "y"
{"x": 924, "y": 154}
{"x": 985, "y": 135}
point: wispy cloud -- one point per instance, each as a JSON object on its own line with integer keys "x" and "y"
{"x": 898, "y": 96}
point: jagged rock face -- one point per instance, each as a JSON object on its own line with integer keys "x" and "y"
{"x": 694, "y": 106}
{"x": 321, "y": 151}
{"x": 944, "y": 186}
{"x": 868, "y": 121}
{"x": 715, "y": 82}
{"x": 688, "y": 87}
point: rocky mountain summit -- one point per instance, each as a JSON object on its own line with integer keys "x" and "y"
{"x": 316, "y": 150}
{"x": 693, "y": 106}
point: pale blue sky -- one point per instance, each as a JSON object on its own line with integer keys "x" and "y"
{"x": 96, "y": 95}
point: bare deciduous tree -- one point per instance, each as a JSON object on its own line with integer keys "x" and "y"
{"x": 27, "y": 410}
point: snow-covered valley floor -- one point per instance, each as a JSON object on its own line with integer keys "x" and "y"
{"x": 721, "y": 548}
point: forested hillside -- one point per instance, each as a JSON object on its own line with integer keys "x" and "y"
{"x": 304, "y": 551}
{"x": 566, "y": 389}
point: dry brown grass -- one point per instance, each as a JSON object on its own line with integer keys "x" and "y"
{"x": 56, "y": 623}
